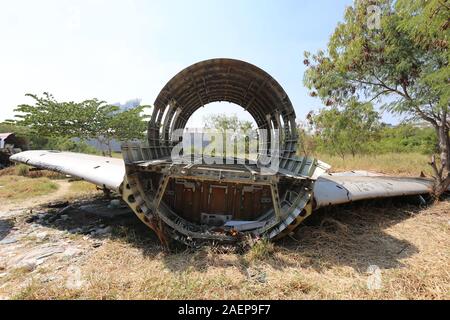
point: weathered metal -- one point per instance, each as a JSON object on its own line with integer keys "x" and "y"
{"x": 101, "y": 171}
{"x": 329, "y": 189}
{"x": 177, "y": 195}
{"x": 195, "y": 201}
{"x": 339, "y": 188}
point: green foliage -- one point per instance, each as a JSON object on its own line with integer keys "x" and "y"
{"x": 383, "y": 139}
{"x": 393, "y": 60}
{"x": 346, "y": 130}
{"x": 427, "y": 24}
{"x": 89, "y": 119}
{"x": 224, "y": 122}
{"x": 308, "y": 143}
{"x": 51, "y": 118}
{"x": 68, "y": 144}
{"x": 260, "y": 249}
{"x": 406, "y": 138}
{"x": 402, "y": 63}
{"x": 31, "y": 140}
{"x": 17, "y": 188}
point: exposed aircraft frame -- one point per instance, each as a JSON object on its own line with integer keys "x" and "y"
{"x": 194, "y": 202}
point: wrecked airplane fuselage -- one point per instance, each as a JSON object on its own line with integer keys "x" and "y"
{"x": 192, "y": 200}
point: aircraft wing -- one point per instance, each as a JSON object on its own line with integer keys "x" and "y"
{"x": 344, "y": 187}
{"x": 329, "y": 189}
{"x": 102, "y": 171}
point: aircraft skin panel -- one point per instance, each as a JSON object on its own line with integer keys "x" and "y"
{"x": 345, "y": 187}
{"x": 191, "y": 203}
{"x": 102, "y": 171}
{"x": 329, "y": 189}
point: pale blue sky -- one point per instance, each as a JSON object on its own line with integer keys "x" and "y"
{"x": 119, "y": 50}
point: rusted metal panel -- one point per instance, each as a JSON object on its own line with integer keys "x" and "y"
{"x": 199, "y": 201}
{"x": 190, "y": 198}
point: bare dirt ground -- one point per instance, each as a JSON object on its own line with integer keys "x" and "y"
{"x": 390, "y": 249}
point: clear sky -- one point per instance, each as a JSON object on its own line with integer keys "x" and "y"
{"x": 120, "y": 50}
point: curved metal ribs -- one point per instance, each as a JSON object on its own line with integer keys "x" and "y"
{"x": 194, "y": 202}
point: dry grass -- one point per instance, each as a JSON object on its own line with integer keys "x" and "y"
{"x": 328, "y": 258}
{"x": 8, "y": 171}
{"x": 81, "y": 188}
{"x": 24, "y": 171}
{"x": 409, "y": 164}
{"x": 260, "y": 250}
{"x": 331, "y": 256}
{"x": 16, "y": 187}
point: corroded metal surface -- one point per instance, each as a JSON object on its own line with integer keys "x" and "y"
{"x": 216, "y": 80}
{"x": 183, "y": 199}
{"x": 329, "y": 189}
{"x": 194, "y": 201}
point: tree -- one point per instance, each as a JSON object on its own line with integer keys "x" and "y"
{"x": 226, "y": 124}
{"x": 402, "y": 63}
{"x": 89, "y": 119}
{"x": 347, "y": 130}
{"x": 406, "y": 137}
{"x": 223, "y": 123}
{"x": 307, "y": 140}
{"x": 122, "y": 126}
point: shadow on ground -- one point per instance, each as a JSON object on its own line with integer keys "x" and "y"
{"x": 5, "y": 228}
{"x": 355, "y": 235}
{"x": 351, "y": 235}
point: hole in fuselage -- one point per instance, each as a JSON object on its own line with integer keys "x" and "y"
{"x": 219, "y": 139}
{"x": 131, "y": 199}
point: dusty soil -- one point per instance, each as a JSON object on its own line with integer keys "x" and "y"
{"x": 386, "y": 249}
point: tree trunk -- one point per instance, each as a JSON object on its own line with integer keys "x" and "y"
{"x": 108, "y": 144}
{"x": 444, "y": 147}
{"x": 442, "y": 172}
